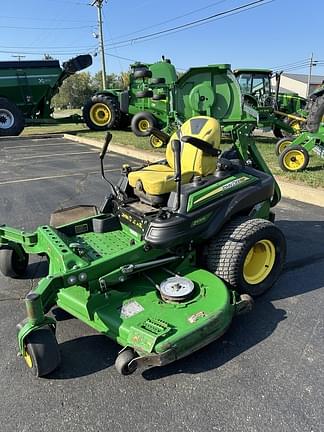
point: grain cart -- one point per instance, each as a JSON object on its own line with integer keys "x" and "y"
{"x": 281, "y": 111}
{"x": 27, "y": 88}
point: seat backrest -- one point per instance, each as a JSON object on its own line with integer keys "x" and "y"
{"x": 193, "y": 159}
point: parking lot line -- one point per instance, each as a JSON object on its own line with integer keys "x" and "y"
{"x": 26, "y": 180}
{"x": 55, "y": 154}
{"x": 37, "y": 145}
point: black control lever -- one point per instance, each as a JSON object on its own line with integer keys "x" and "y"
{"x": 201, "y": 145}
{"x": 176, "y": 147}
{"x": 105, "y": 146}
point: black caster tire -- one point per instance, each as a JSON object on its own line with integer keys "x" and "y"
{"x": 246, "y": 304}
{"x": 142, "y": 73}
{"x": 13, "y": 263}
{"x": 248, "y": 255}
{"x": 142, "y": 123}
{"x": 294, "y": 159}
{"x": 122, "y": 362}
{"x": 42, "y": 354}
{"x": 282, "y": 144}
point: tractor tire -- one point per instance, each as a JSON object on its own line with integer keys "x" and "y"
{"x": 282, "y": 144}
{"x": 296, "y": 125}
{"x": 277, "y": 132}
{"x": 42, "y": 354}
{"x": 142, "y": 123}
{"x": 156, "y": 81}
{"x": 294, "y": 159}
{"x": 142, "y": 73}
{"x": 12, "y": 120}
{"x": 248, "y": 255}
{"x": 101, "y": 113}
{"x": 13, "y": 264}
{"x": 315, "y": 114}
{"x": 144, "y": 94}
{"x": 156, "y": 142}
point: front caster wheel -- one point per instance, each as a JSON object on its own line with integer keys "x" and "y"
{"x": 13, "y": 262}
{"x": 122, "y": 363}
{"x": 42, "y": 354}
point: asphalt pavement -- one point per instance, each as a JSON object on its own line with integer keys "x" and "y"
{"x": 265, "y": 374}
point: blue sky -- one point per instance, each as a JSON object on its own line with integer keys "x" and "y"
{"x": 278, "y": 33}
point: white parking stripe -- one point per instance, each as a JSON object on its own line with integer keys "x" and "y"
{"x": 42, "y": 145}
{"x": 55, "y": 154}
{"x": 26, "y": 180}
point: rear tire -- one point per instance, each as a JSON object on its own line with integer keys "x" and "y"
{"x": 315, "y": 115}
{"x": 101, "y": 113}
{"x": 12, "y": 120}
{"x": 142, "y": 123}
{"x": 42, "y": 352}
{"x": 13, "y": 263}
{"x": 142, "y": 73}
{"x": 248, "y": 254}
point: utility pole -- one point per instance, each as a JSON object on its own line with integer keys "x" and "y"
{"x": 19, "y": 57}
{"x": 312, "y": 63}
{"x": 99, "y": 4}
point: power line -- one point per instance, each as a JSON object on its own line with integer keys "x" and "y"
{"x": 47, "y": 28}
{"x": 195, "y": 23}
{"x": 172, "y": 19}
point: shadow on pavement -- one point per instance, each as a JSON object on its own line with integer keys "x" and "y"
{"x": 85, "y": 356}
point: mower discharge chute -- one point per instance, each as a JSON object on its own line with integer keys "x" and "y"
{"x": 175, "y": 252}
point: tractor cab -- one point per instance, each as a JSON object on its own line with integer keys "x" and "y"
{"x": 255, "y": 86}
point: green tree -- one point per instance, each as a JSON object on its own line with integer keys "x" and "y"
{"x": 75, "y": 91}
{"x": 112, "y": 81}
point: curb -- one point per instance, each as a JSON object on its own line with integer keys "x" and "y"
{"x": 293, "y": 191}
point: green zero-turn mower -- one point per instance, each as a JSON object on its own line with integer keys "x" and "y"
{"x": 293, "y": 152}
{"x": 175, "y": 252}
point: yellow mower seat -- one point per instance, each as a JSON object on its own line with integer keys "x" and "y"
{"x": 159, "y": 179}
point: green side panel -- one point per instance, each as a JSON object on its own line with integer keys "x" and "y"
{"x": 224, "y": 187}
{"x": 164, "y": 70}
{"x": 27, "y": 87}
{"x": 136, "y": 316}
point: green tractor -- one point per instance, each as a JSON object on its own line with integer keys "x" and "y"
{"x": 156, "y": 98}
{"x": 293, "y": 152}
{"x": 283, "y": 112}
{"x": 143, "y": 105}
{"x": 27, "y": 88}
{"x": 176, "y": 251}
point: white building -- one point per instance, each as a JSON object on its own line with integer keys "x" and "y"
{"x": 297, "y": 83}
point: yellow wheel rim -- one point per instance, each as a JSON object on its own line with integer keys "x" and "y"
{"x": 293, "y": 160}
{"x": 143, "y": 125}
{"x": 283, "y": 145}
{"x": 259, "y": 262}
{"x": 100, "y": 114}
{"x": 28, "y": 359}
{"x": 296, "y": 126}
{"x": 156, "y": 142}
